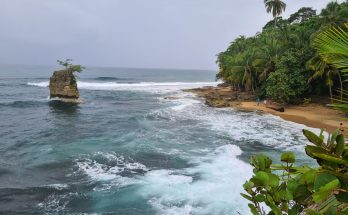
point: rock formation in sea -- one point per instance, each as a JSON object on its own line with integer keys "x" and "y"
{"x": 63, "y": 85}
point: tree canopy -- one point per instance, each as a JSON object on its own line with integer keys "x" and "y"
{"x": 284, "y": 55}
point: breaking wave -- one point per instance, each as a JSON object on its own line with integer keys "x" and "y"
{"x": 109, "y": 166}
{"x": 155, "y": 87}
{"x": 211, "y": 186}
{"x": 105, "y": 78}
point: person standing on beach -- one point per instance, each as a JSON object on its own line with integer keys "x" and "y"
{"x": 258, "y": 101}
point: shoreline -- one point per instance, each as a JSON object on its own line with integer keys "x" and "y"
{"x": 315, "y": 115}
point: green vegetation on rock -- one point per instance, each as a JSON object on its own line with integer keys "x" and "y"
{"x": 68, "y": 66}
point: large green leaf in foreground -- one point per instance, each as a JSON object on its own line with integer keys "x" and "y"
{"x": 332, "y": 46}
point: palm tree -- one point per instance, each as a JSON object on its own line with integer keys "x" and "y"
{"x": 332, "y": 46}
{"x": 330, "y": 13}
{"x": 321, "y": 68}
{"x": 276, "y": 7}
{"x": 268, "y": 52}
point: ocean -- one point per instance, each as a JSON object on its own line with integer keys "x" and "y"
{"x": 128, "y": 149}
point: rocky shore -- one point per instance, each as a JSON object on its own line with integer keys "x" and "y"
{"x": 222, "y": 96}
{"x": 316, "y": 115}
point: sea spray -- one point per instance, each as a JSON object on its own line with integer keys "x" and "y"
{"x": 211, "y": 186}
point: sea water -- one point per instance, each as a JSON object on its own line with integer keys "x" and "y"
{"x": 137, "y": 145}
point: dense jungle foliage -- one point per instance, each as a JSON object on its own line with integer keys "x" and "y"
{"x": 281, "y": 62}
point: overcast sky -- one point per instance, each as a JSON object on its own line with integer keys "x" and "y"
{"x": 129, "y": 33}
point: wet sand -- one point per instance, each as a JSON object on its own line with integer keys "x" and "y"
{"x": 314, "y": 115}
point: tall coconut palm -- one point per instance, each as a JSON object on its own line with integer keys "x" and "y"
{"x": 276, "y": 7}
{"x": 244, "y": 70}
{"x": 267, "y": 56}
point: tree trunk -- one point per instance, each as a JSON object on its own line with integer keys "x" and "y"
{"x": 275, "y": 22}
{"x": 331, "y": 94}
{"x": 341, "y": 85}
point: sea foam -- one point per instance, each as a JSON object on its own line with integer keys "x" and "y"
{"x": 153, "y": 87}
{"x": 211, "y": 186}
{"x": 251, "y": 126}
{"x": 109, "y": 170}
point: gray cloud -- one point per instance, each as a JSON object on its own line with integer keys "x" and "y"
{"x": 129, "y": 33}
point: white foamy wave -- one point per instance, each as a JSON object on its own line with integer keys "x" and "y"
{"x": 241, "y": 126}
{"x": 99, "y": 172}
{"x": 58, "y": 186}
{"x": 153, "y": 87}
{"x": 39, "y": 84}
{"x": 181, "y": 101}
{"x": 110, "y": 170}
{"x": 206, "y": 188}
{"x": 56, "y": 203}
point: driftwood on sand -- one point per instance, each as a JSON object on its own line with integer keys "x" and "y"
{"x": 276, "y": 107}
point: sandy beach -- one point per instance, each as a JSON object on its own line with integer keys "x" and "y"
{"x": 314, "y": 115}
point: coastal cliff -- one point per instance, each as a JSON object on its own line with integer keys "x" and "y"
{"x": 63, "y": 85}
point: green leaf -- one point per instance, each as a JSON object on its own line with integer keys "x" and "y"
{"x": 332, "y": 46}
{"x": 253, "y": 209}
{"x": 326, "y": 191}
{"x": 288, "y": 157}
{"x": 313, "y": 138}
{"x": 343, "y": 196}
{"x": 312, "y": 212}
{"x": 330, "y": 158}
{"x": 275, "y": 209}
{"x": 248, "y": 185}
{"x": 247, "y": 197}
{"x": 308, "y": 177}
{"x": 321, "y": 135}
{"x": 314, "y": 149}
{"x": 292, "y": 185}
{"x": 260, "y": 198}
{"x": 283, "y": 195}
{"x": 340, "y": 145}
{"x": 332, "y": 211}
{"x": 261, "y": 179}
{"x": 322, "y": 179}
{"x": 295, "y": 210}
{"x": 333, "y": 139}
{"x": 261, "y": 162}
{"x": 301, "y": 193}
{"x": 273, "y": 180}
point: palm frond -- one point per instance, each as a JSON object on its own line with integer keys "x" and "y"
{"x": 332, "y": 46}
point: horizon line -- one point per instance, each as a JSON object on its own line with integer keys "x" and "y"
{"x": 110, "y": 67}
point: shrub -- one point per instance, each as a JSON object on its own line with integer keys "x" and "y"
{"x": 289, "y": 82}
{"x": 68, "y": 66}
{"x": 287, "y": 189}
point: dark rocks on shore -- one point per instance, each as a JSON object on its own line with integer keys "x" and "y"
{"x": 63, "y": 85}
{"x": 222, "y": 96}
{"x": 224, "y": 84}
{"x": 278, "y": 108}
